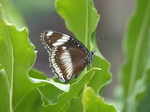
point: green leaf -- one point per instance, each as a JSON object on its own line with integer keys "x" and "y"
{"x": 143, "y": 104}
{"x": 102, "y": 77}
{"x": 80, "y": 17}
{"x": 11, "y": 13}
{"x": 75, "y": 89}
{"x": 63, "y": 87}
{"x": 16, "y": 57}
{"x": 75, "y": 105}
{"x": 94, "y": 103}
{"x": 18, "y": 90}
{"x": 38, "y": 77}
{"x": 136, "y": 49}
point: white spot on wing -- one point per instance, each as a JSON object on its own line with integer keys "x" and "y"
{"x": 49, "y": 33}
{"x": 64, "y": 48}
{"x": 67, "y": 37}
{"x": 61, "y": 41}
{"x": 57, "y": 44}
{"x": 65, "y": 58}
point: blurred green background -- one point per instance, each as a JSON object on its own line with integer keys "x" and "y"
{"x": 40, "y": 15}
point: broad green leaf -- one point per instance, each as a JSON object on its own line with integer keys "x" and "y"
{"x": 80, "y": 17}
{"x": 18, "y": 90}
{"x": 63, "y": 87}
{"x": 75, "y": 89}
{"x": 136, "y": 49}
{"x": 143, "y": 105}
{"x": 103, "y": 77}
{"x": 16, "y": 57}
{"x": 38, "y": 77}
{"x": 33, "y": 73}
{"x": 11, "y": 13}
{"x": 94, "y": 103}
{"x": 75, "y": 105}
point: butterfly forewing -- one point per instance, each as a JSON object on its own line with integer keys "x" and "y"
{"x": 67, "y": 56}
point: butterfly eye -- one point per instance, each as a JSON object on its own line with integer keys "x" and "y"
{"x": 67, "y": 55}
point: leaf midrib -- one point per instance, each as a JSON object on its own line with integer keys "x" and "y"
{"x": 12, "y": 71}
{"x": 86, "y": 25}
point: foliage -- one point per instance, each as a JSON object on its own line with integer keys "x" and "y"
{"x": 135, "y": 70}
{"x": 24, "y": 89}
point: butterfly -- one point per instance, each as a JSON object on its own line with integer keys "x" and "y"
{"x": 67, "y": 55}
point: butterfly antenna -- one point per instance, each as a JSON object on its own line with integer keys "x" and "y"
{"x": 103, "y": 39}
{"x": 97, "y": 44}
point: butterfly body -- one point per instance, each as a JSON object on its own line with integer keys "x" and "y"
{"x": 67, "y": 56}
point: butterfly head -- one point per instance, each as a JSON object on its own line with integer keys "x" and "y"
{"x": 90, "y": 57}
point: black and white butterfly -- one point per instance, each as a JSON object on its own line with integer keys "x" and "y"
{"x": 67, "y": 56}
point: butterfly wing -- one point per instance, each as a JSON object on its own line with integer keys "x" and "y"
{"x": 66, "y": 54}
